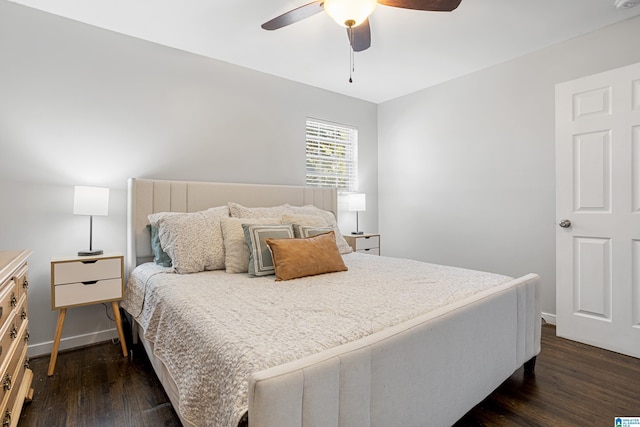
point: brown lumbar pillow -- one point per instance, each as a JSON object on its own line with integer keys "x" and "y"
{"x": 293, "y": 258}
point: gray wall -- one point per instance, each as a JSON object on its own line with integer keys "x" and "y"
{"x": 84, "y": 106}
{"x": 467, "y": 168}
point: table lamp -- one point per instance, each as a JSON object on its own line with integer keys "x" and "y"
{"x": 356, "y": 202}
{"x": 90, "y": 201}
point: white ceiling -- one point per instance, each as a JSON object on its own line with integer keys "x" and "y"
{"x": 410, "y": 50}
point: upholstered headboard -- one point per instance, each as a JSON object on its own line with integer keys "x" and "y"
{"x": 148, "y": 196}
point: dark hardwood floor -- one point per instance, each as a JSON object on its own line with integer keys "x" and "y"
{"x": 95, "y": 386}
{"x": 573, "y": 385}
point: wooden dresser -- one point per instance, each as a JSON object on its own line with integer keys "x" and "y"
{"x": 15, "y": 375}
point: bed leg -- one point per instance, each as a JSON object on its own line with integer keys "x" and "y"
{"x": 134, "y": 332}
{"x": 530, "y": 365}
{"x": 129, "y": 321}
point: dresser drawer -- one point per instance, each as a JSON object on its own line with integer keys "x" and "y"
{"x": 21, "y": 313}
{"x": 83, "y": 271}
{"x": 367, "y": 242}
{"x": 8, "y": 336}
{"x": 10, "y": 377}
{"x": 21, "y": 281}
{"x": 89, "y": 292}
{"x": 13, "y": 399}
{"x": 8, "y": 302}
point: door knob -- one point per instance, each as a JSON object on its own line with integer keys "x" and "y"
{"x": 564, "y": 223}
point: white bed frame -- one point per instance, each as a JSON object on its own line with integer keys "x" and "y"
{"x": 427, "y": 371}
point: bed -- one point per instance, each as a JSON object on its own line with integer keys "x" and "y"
{"x": 429, "y": 344}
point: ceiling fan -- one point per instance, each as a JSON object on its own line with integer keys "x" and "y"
{"x": 354, "y": 14}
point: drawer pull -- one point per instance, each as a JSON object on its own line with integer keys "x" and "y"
{"x": 26, "y": 363}
{"x": 0, "y": 350}
{"x": 23, "y": 315}
{"x": 6, "y": 422}
{"x": 1, "y": 310}
{"x": 14, "y": 332}
{"x": 14, "y": 300}
{"x": 91, "y": 261}
{"x": 25, "y": 284}
{"x": 6, "y": 382}
{"x": 90, "y": 282}
{"x": 27, "y": 335}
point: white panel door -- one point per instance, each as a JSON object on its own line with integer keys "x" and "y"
{"x": 598, "y": 210}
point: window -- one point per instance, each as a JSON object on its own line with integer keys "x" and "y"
{"x": 332, "y": 155}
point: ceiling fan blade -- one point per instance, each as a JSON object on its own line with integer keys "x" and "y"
{"x": 431, "y": 5}
{"x": 294, "y": 15}
{"x": 360, "y": 36}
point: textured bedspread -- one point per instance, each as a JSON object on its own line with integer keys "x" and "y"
{"x": 213, "y": 330}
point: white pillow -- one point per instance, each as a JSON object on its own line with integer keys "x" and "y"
{"x": 236, "y": 210}
{"x": 329, "y": 218}
{"x": 236, "y": 251}
{"x": 193, "y": 240}
{"x": 306, "y": 220}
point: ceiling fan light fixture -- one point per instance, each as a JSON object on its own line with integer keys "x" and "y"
{"x": 349, "y": 13}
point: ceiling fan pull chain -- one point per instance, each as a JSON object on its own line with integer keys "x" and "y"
{"x": 352, "y": 67}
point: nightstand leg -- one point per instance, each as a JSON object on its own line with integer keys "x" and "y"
{"x": 56, "y": 342}
{"x": 116, "y": 314}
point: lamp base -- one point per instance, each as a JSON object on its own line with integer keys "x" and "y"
{"x": 357, "y": 232}
{"x": 90, "y": 253}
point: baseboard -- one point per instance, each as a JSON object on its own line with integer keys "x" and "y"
{"x": 549, "y": 318}
{"x": 73, "y": 342}
{"x": 96, "y": 337}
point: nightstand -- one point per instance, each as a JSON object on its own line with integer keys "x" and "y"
{"x": 364, "y": 243}
{"x": 86, "y": 280}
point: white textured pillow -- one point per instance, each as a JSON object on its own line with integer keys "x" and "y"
{"x": 329, "y": 218}
{"x": 306, "y": 220}
{"x": 193, "y": 240}
{"x": 236, "y": 210}
{"x": 236, "y": 251}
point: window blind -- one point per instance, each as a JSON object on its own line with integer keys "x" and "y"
{"x": 332, "y": 153}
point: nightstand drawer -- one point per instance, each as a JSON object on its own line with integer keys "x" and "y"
{"x": 370, "y": 251}
{"x": 364, "y": 243}
{"x": 82, "y": 271}
{"x": 88, "y": 292}
{"x": 367, "y": 243}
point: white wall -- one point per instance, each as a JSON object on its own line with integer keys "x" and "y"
{"x": 84, "y": 106}
{"x": 467, "y": 168}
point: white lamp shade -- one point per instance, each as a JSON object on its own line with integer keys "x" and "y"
{"x": 344, "y": 11}
{"x": 90, "y": 200}
{"x": 356, "y": 202}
